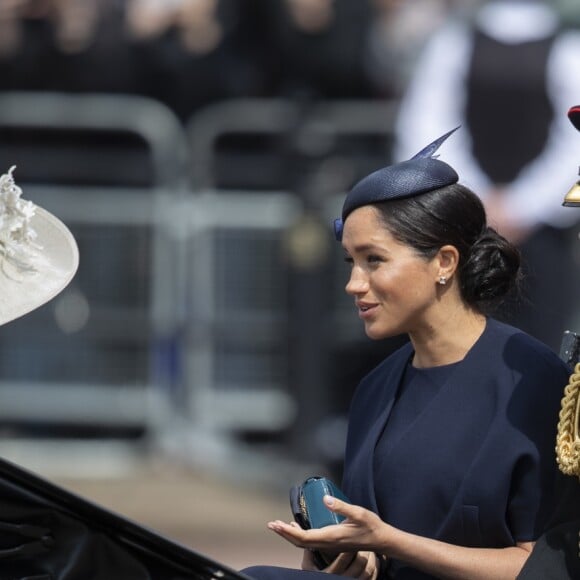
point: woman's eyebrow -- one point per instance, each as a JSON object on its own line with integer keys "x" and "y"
{"x": 367, "y": 247}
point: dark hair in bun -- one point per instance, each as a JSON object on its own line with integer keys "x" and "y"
{"x": 489, "y": 265}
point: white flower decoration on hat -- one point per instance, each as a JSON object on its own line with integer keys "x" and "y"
{"x": 38, "y": 254}
{"x": 16, "y": 235}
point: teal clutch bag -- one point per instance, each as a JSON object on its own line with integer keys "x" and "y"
{"x": 309, "y": 511}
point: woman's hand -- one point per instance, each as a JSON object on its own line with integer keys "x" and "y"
{"x": 362, "y": 530}
{"x": 360, "y": 565}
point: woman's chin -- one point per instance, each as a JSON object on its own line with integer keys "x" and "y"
{"x": 375, "y": 333}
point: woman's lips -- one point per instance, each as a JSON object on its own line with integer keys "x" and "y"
{"x": 366, "y": 310}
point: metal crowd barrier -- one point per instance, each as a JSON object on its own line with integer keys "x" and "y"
{"x": 95, "y": 364}
{"x": 234, "y": 344}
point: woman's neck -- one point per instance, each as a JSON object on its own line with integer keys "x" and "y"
{"x": 448, "y": 340}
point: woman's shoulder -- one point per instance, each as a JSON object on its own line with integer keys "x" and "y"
{"x": 528, "y": 373}
{"x": 516, "y": 344}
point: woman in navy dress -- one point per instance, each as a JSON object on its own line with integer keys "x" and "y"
{"x": 450, "y": 451}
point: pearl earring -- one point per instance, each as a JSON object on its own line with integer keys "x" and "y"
{"x": 442, "y": 280}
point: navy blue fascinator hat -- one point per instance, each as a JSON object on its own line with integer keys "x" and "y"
{"x": 420, "y": 174}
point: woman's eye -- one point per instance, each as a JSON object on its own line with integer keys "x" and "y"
{"x": 371, "y": 259}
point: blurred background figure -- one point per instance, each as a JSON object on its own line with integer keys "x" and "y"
{"x": 504, "y": 72}
{"x": 316, "y": 48}
{"x": 190, "y": 53}
{"x": 397, "y": 33}
{"x": 63, "y": 45}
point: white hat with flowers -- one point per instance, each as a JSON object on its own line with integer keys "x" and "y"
{"x": 38, "y": 254}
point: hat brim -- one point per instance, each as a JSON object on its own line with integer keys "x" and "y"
{"x": 55, "y": 263}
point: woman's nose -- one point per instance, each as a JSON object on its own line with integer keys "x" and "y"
{"x": 357, "y": 283}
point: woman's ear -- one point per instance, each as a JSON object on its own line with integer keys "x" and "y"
{"x": 448, "y": 261}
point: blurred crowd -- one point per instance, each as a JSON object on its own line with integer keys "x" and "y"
{"x": 188, "y": 53}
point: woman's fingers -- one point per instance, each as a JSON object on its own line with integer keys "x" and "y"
{"x": 341, "y": 563}
{"x": 348, "y": 510}
{"x": 363, "y": 567}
